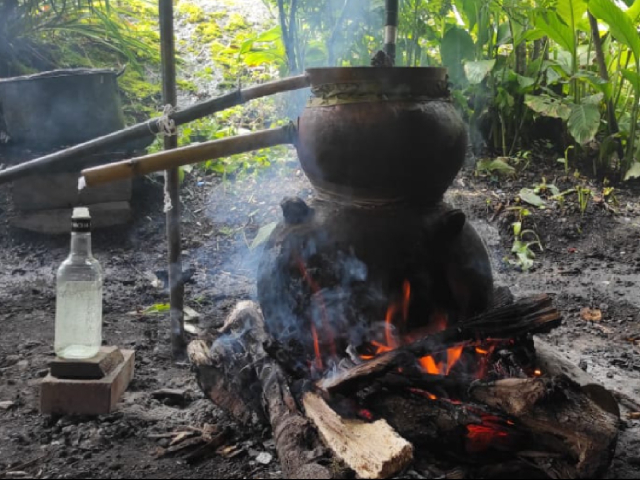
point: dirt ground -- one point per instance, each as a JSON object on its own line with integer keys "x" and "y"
{"x": 590, "y": 260}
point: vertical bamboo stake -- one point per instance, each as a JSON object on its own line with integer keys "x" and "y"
{"x": 172, "y": 194}
{"x": 391, "y": 29}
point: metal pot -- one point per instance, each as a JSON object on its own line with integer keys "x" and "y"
{"x": 381, "y": 134}
{"x": 59, "y": 108}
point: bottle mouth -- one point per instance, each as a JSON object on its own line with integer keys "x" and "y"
{"x": 81, "y": 220}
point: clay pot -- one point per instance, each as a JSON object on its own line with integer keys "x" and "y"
{"x": 381, "y": 134}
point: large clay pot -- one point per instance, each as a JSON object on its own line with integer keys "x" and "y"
{"x": 345, "y": 266}
{"x": 381, "y": 134}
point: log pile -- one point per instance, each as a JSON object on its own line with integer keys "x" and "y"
{"x": 381, "y": 416}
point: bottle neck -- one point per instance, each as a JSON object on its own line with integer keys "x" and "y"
{"x": 81, "y": 245}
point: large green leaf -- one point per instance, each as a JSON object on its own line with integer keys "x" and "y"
{"x": 584, "y": 122}
{"x": 477, "y": 71}
{"x": 634, "y": 12}
{"x": 557, "y": 31}
{"x": 620, "y": 24}
{"x": 634, "y": 79}
{"x": 572, "y": 11}
{"x": 457, "y": 46}
{"x": 548, "y": 106}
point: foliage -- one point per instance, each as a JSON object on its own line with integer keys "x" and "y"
{"x": 38, "y": 35}
{"x": 511, "y": 63}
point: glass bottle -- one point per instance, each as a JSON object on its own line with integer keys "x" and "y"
{"x": 78, "y": 332}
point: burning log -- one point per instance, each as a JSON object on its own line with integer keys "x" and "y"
{"x": 526, "y": 316}
{"x": 548, "y": 422}
{"x": 372, "y": 450}
{"x": 297, "y": 444}
{"x": 561, "y": 416}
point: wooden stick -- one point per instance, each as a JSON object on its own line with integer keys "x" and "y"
{"x": 372, "y": 450}
{"x": 187, "y": 155}
{"x": 146, "y": 130}
{"x": 172, "y": 187}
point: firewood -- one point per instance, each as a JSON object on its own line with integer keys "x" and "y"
{"x": 557, "y": 410}
{"x": 227, "y": 376}
{"x": 526, "y": 316}
{"x": 552, "y": 363}
{"x": 372, "y": 450}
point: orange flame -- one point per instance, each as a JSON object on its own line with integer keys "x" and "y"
{"x": 432, "y": 367}
{"x": 429, "y": 364}
{"x": 392, "y": 344}
{"x": 406, "y": 300}
{"x": 316, "y": 347}
{"x": 453, "y": 355}
{"x": 326, "y": 327}
{"x": 538, "y": 373}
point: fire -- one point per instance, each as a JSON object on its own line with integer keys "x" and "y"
{"x": 389, "y": 328}
{"x": 538, "y": 373}
{"x": 316, "y": 347}
{"x": 442, "y": 368}
{"x": 406, "y": 300}
{"x": 326, "y": 326}
{"x": 490, "y": 432}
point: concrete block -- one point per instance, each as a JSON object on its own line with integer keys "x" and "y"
{"x": 58, "y": 222}
{"x": 58, "y": 191}
{"x": 87, "y": 397}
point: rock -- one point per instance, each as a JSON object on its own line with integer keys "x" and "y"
{"x": 6, "y": 405}
{"x": 264, "y": 458}
{"x": 172, "y": 397}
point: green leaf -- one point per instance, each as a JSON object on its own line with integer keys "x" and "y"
{"x": 634, "y": 12}
{"x": 496, "y": 166}
{"x": 528, "y": 196}
{"x": 157, "y": 308}
{"x": 634, "y": 79}
{"x": 548, "y": 106}
{"x": 477, "y": 71}
{"x": 457, "y": 46}
{"x": 517, "y": 228}
{"x": 633, "y": 172}
{"x": 571, "y": 11}
{"x": 620, "y": 24}
{"x": 594, "y": 99}
{"x": 584, "y": 122}
{"x": 559, "y": 32}
{"x": 263, "y": 235}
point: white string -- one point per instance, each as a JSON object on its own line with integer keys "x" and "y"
{"x": 165, "y": 124}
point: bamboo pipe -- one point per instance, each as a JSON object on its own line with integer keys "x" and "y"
{"x": 83, "y": 151}
{"x": 188, "y": 155}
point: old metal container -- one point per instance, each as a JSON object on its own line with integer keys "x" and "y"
{"x": 59, "y": 108}
{"x": 381, "y": 134}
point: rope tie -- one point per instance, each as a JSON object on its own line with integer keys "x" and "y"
{"x": 165, "y": 125}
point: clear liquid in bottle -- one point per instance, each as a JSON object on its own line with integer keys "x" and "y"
{"x": 78, "y": 331}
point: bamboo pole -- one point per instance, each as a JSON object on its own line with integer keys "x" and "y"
{"x": 82, "y": 152}
{"x": 196, "y": 153}
{"x": 172, "y": 186}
